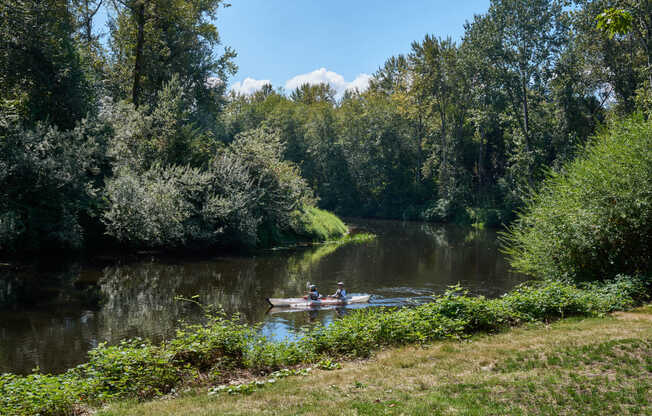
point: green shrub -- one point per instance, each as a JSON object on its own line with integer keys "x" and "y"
{"x": 594, "y": 219}
{"x": 46, "y": 185}
{"x": 477, "y": 313}
{"x": 244, "y": 193}
{"x": 220, "y": 343}
{"x": 138, "y": 369}
{"x": 39, "y": 394}
{"x": 134, "y": 368}
{"x": 267, "y": 355}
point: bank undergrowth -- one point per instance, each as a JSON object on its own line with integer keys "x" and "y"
{"x": 223, "y": 347}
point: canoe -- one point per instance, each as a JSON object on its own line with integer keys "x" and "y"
{"x": 304, "y": 303}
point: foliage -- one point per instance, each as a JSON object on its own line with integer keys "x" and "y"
{"x": 161, "y": 133}
{"x": 59, "y": 167}
{"x": 154, "y": 40}
{"x": 220, "y": 343}
{"x": 593, "y": 219}
{"x": 40, "y": 394}
{"x": 317, "y": 225}
{"x": 40, "y": 69}
{"x": 615, "y": 21}
{"x": 244, "y": 193}
{"x": 150, "y": 209}
{"x": 139, "y": 369}
{"x": 133, "y": 368}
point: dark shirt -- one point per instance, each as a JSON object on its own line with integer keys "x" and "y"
{"x": 313, "y": 295}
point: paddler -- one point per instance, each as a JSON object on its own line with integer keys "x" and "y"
{"x": 340, "y": 293}
{"x": 313, "y": 294}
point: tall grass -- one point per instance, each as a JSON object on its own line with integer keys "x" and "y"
{"x": 318, "y": 225}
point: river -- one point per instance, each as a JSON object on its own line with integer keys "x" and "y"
{"x": 53, "y": 312}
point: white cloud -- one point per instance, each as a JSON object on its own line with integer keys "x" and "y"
{"x": 361, "y": 82}
{"x": 249, "y": 85}
{"x": 319, "y": 76}
{"x": 335, "y": 80}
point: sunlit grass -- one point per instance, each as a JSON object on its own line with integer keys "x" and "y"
{"x": 596, "y": 366}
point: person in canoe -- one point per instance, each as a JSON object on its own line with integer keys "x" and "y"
{"x": 340, "y": 293}
{"x": 313, "y": 294}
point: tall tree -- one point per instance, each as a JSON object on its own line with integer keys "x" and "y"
{"x": 151, "y": 40}
{"x": 616, "y": 36}
{"x": 40, "y": 71}
{"x": 439, "y": 81}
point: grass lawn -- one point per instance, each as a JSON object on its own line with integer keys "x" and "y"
{"x": 597, "y": 366}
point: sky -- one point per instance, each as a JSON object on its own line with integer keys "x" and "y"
{"x": 289, "y": 42}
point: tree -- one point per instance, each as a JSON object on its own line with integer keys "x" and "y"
{"x": 311, "y": 94}
{"x": 439, "y": 82}
{"x": 530, "y": 36}
{"x": 594, "y": 219}
{"x": 40, "y": 71}
{"x": 616, "y": 38}
{"x": 152, "y": 40}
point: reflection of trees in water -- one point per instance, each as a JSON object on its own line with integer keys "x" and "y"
{"x": 33, "y": 286}
{"x": 46, "y": 316}
{"x": 7, "y": 291}
{"x": 140, "y": 298}
{"x": 53, "y": 318}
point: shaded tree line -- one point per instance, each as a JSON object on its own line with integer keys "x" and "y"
{"x": 135, "y": 139}
{"x": 463, "y": 130}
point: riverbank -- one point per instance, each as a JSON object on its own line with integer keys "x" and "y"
{"x": 590, "y": 366}
{"x": 224, "y": 350}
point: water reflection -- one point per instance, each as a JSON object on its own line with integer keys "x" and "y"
{"x": 51, "y": 317}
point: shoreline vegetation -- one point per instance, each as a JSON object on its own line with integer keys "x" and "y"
{"x": 224, "y": 349}
{"x": 588, "y": 366}
{"x": 136, "y": 143}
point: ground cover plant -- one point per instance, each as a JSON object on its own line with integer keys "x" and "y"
{"x": 223, "y": 348}
{"x": 588, "y": 366}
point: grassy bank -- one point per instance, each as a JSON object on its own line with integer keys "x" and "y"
{"x": 594, "y": 366}
{"x": 223, "y": 349}
{"x": 308, "y": 224}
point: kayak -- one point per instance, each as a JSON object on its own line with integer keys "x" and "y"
{"x": 303, "y": 303}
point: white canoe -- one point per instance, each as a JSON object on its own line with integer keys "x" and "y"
{"x": 303, "y": 303}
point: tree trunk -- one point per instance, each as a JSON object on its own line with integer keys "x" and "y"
{"x": 138, "y": 65}
{"x": 88, "y": 24}
{"x": 526, "y": 119}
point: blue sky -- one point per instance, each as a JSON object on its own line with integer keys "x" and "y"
{"x": 289, "y": 42}
{"x": 338, "y": 41}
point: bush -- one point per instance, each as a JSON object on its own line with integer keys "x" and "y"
{"x": 46, "y": 185}
{"x": 39, "y": 394}
{"x": 149, "y": 209}
{"x": 594, "y": 219}
{"x": 138, "y": 369}
{"x": 134, "y": 368}
{"x": 221, "y": 343}
{"x": 243, "y": 191}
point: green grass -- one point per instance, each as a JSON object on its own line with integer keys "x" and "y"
{"x": 225, "y": 350}
{"x": 319, "y": 225}
{"x": 594, "y": 366}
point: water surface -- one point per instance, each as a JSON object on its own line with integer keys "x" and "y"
{"x": 52, "y": 314}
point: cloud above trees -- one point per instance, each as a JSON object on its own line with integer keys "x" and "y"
{"x": 249, "y": 85}
{"x": 318, "y": 76}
